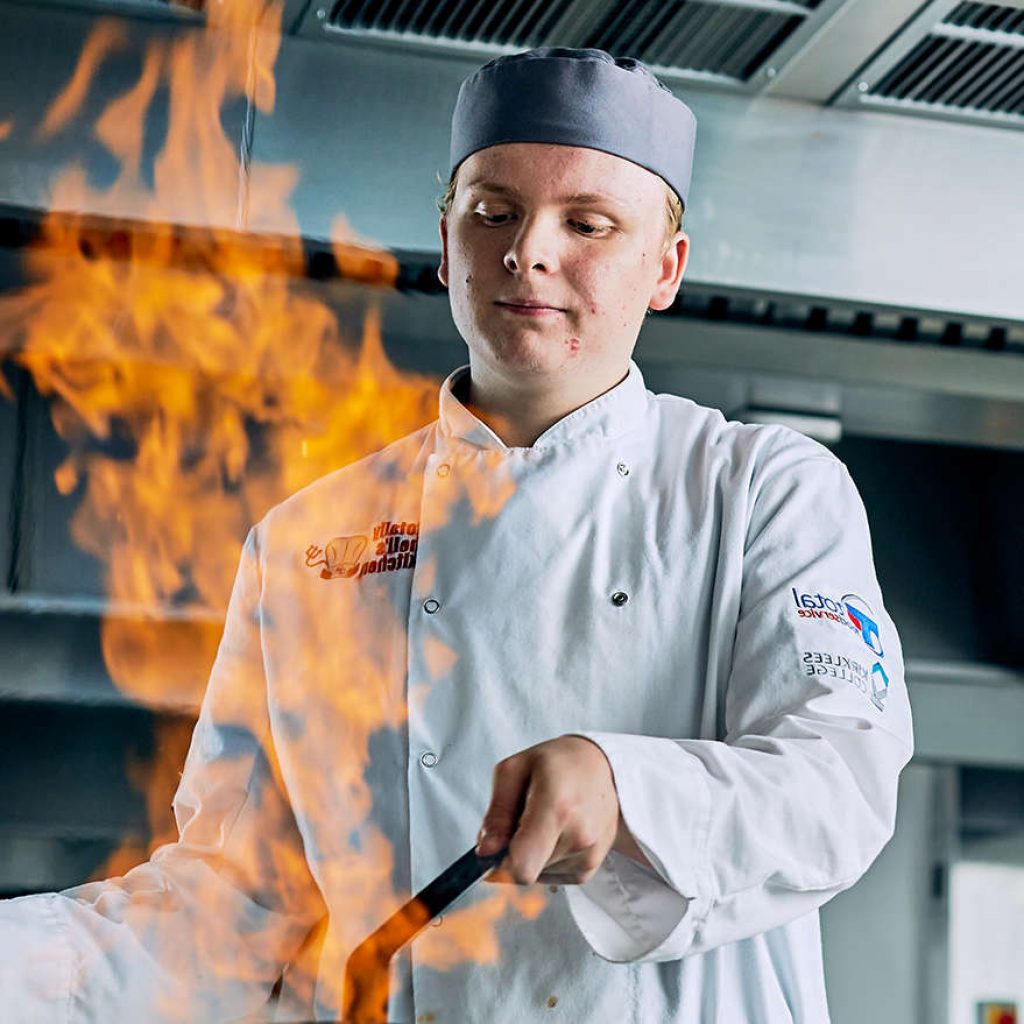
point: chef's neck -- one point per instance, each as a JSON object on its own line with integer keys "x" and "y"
{"x": 520, "y": 411}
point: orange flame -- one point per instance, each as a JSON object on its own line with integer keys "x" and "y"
{"x": 107, "y": 37}
{"x": 197, "y": 384}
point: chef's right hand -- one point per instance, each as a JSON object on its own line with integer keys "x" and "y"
{"x": 556, "y": 808}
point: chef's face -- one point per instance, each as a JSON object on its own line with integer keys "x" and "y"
{"x": 552, "y": 256}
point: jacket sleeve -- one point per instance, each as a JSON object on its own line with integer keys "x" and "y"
{"x": 793, "y": 802}
{"x": 201, "y": 931}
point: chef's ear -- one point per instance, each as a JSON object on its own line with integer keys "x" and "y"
{"x": 673, "y": 263}
{"x": 442, "y": 270}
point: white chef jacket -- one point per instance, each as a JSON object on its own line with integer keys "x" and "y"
{"x": 696, "y": 596}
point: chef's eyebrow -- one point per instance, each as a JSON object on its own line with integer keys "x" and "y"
{"x": 577, "y": 199}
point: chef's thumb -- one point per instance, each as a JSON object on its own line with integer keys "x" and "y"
{"x": 508, "y": 790}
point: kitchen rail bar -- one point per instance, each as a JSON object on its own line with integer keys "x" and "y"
{"x": 188, "y": 247}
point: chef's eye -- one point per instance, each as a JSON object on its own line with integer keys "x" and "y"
{"x": 494, "y": 218}
{"x": 589, "y": 228}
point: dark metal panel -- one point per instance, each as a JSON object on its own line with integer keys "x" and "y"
{"x": 8, "y": 460}
{"x": 53, "y": 658}
{"x": 66, "y": 799}
{"x": 924, "y": 536}
{"x": 51, "y": 565}
{"x": 10, "y": 383}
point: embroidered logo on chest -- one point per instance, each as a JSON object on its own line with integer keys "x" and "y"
{"x": 393, "y": 549}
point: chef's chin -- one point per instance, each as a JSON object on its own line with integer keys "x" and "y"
{"x": 531, "y": 354}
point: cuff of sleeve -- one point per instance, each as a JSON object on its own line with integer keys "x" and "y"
{"x": 37, "y": 962}
{"x": 627, "y": 911}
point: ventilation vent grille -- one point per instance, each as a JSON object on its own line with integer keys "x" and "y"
{"x": 726, "y": 41}
{"x": 969, "y": 65}
{"x": 704, "y": 37}
{"x": 522, "y": 23}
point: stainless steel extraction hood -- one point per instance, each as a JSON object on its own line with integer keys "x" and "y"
{"x": 816, "y": 174}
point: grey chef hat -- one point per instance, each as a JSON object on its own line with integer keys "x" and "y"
{"x": 576, "y": 98}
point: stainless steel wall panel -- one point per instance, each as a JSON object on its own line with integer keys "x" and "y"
{"x": 38, "y": 56}
{"x": 880, "y": 216}
{"x": 967, "y": 715}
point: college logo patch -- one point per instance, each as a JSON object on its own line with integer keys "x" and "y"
{"x": 394, "y": 549}
{"x": 850, "y": 611}
{"x": 870, "y": 681}
{"x": 879, "y": 685}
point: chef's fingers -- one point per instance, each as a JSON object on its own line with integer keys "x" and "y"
{"x": 508, "y": 789}
{"x": 540, "y": 829}
{"x": 575, "y": 869}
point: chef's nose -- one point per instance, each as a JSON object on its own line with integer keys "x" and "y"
{"x": 533, "y": 247}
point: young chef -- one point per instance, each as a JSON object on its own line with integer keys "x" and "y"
{"x": 663, "y": 627}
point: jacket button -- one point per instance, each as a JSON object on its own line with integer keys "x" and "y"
{"x": 429, "y": 759}
{"x": 623, "y": 469}
{"x": 443, "y": 470}
{"x": 430, "y": 605}
{"x": 619, "y": 598}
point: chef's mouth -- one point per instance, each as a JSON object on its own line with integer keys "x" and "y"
{"x": 529, "y": 310}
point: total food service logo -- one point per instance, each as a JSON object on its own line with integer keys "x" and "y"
{"x": 850, "y": 611}
{"x": 394, "y": 549}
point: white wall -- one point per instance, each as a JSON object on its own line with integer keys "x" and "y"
{"x": 986, "y": 938}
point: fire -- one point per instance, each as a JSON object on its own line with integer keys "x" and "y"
{"x": 197, "y": 384}
{"x": 107, "y": 37}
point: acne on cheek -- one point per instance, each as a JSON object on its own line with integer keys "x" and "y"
{"x": 573, "y": 345}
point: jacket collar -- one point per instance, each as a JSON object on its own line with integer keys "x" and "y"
{"x": 609, "y": 415}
